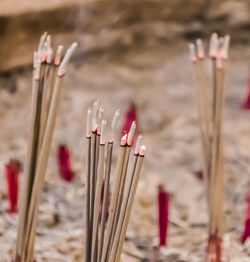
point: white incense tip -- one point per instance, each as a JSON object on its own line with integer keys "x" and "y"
{"x": 48, "y": 40}
{"x": 62, "y": 68}
{"x": 142, "y": 150}
{"x": 94, "y": 116}
{"x": 200, "y": 49}
{"x": 100, "y": 117}
{"x": 41, "y": 43}
{"x": 103, "y": 132}
{"x": 113, "y": 124}
{"x": 49, "y": 55}
{"x": 131, "y": 133}
{"x": 225, "y": 47}
{"x": 58, "y": 56}
{"x": 193, "y": 57}
{"x": 35, "y": 60}
{"x": 124, "y": 140}
{"x": 213, "y": 45}
{"x": 88, "y": 130}
{"x": 37, "y": 70}
{"x": 138, "y": 145}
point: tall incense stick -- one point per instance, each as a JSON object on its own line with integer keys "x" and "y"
{"x": 210, "y": 107}
{"x": 46, "y": 93}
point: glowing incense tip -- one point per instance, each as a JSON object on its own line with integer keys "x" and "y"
{"x": 213, "y": 45}
{"x": 138, "y": 145}
{"x": 68, "y": 55}
{"x": 94, "y": 115}
{"x": 58, "y": 55}
{"x": 89, "y": 116}
{"x": 193, "y": 57}
{"x": 200, "y": 49}
{"x": 37, "y": 71}
{"x": 131, "y": 133}
{"x": 103, "y": 132}
{"x": 100, "y": 118}
{"x": 35, "y": 60}
{"x": 142, "y": 150}
{"x": 123, "y": 140}
{"x": 225, "y": 47}
{"x": 113, "y": 124}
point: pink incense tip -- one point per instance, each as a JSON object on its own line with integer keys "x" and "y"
{"x": 124, "y": 140}
{"x": 64, "y": 163}
{"x": 214, "y": 249}
{"x": 163, "y": 214}
{"x": 246, "y": 232}
{"x": 12, "y": 171}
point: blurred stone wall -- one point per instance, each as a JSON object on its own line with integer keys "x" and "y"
{"x": 98, "y": 25}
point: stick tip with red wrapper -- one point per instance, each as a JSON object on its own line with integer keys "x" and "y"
{"x": 64, "y": 163}
{"x": 12, "y": 172}
{"x": 246, "y": 232}
{"x": 163, "y": 214}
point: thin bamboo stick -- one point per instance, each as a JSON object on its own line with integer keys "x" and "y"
{"x": 97, "y": 204}
{"x": 130, "y": 202}
{"x": 113, "y": 204}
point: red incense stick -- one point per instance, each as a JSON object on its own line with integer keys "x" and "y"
{"x": 64, "y": 163}
{"x": 246, "y": 233}
{"x": 163, "y": 212}
{"x": 246, "y": 103}
{"x": 12, "y": 171}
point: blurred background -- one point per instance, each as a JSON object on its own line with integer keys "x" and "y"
{"x": 130, "y": 52}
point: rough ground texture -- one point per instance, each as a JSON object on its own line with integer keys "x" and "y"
{"x": 158, "y": 78}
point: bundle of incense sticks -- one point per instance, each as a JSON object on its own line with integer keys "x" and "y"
{"x": 163, "y": 212}
{"x": 46, "y": 93}
{"x": 105, "y": 235}
{"x": 210, "y": 99}
{"x": 12, "y": 172}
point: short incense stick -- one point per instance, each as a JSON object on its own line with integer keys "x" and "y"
{"x": 12, "y": 172}
{"x": 64, "y": 163}
{"x": 163, "y": 210}
{"x": 246, "y": 232}
{"x": 46, "y": 93}
{"x": 106, "y": 224}
{"x": 210, "y": 108}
